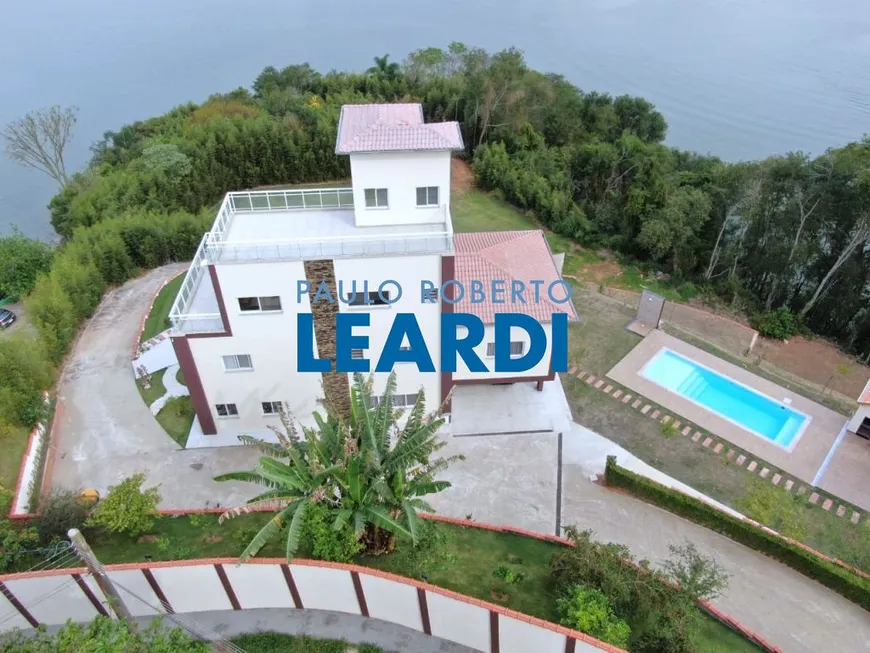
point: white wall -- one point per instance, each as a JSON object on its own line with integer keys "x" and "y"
{"x": 325, "y": 589}
{"x": 858, "y": 418}
{"x": 392, "y": 601}
{"x": 458, "y": 621}
{"x": 132, "y": 582}
{"x": 541, "y": 369}
{"x": 408, "y": 271}
{"x": 192, "y": 588}
{"x": 400, "y": 173}
{"x": 259, "y": 586}
{"x": 52, "y": 599}
{"x": 195, "y": 587}
{"x": 270, "y": 340}
{"x": 516, "y": 636}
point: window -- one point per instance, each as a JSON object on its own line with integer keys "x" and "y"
{"x": 259, "y": 304}
{"x": 376, "y": 198}
{"x": 399, "y": 401}
{"x": 357, "y": 353}
{"x": 271, "y": 407}
{"x": 427, "y": 195}
{"x": 226, "y": 410}
{"x": 517, "y": 349}
{"x": 371, "y": 299}
{"x": 237, "y": 362}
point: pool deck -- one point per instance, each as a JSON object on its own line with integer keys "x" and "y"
{"x": 803, "y": 461}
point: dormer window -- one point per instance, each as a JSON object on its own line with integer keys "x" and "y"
{"x": 427, "y": 196}
{"x": 376, "y": 198}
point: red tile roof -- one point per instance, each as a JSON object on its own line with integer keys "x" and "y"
{"x": 864, "y": 398}
{"x": 392, "y": 128}
{"x": 508, "y": 255}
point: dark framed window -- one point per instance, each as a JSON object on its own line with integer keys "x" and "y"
{"x": 238, "y": 362}
{"x": 399, "y": 401}
{"x": 226, "y": 410}
{"x": 271, "y": 407}
{"x": 259, "y": 304}
{"x": 517, "y": 348}
{"x": 427, "y": 195}
{"x": 376, "y": 198}
{"x": 369, "y": 299}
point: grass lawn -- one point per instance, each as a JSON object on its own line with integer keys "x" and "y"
{"x": 156, "y": 390}
{"x": 158, "y": 319}
{"x": 14, "y": 441}
{"x": 176, "y": 418}
{"x": 460, "y": 559}
{"x": 179, "y": 376}
{"x": 280, "y": 643}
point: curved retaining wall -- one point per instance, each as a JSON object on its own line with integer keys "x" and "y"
{"x": 190, "y": 586}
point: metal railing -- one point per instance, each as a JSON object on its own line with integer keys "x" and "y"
{"x": 214, "y": 246}
{"x": 317, "y": 199}
{"x": 190, "y": 284}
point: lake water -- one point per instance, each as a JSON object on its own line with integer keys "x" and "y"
{"x": 737, "y": 78}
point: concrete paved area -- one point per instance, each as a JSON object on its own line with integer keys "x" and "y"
{"x": 802, "y": 462}
{"x": 513, "y": 480}
{"x": 847, "y": 472}
{"x": 104, "y": 431}
{"x": 321, "y": 624}
{"x": 515, "y": 408}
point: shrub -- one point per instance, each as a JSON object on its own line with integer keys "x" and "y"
{"x": 127, "y": 508}
{"x": 327, "y": 543}
{"x": 779, "y": 324}
{"x": 699, "y": 576}
{"x": 25, "y": 372}
{"x": 15, "y": 541}
{"x": 588, "y": 611}
{"x": 508, "y": 574}
{"x": 843, "y": 581}
{"x": 60, "y": 511}
{"x": 103, "y": 634}
{"x": 22, "y": 259}
{"x": 169, "y": 549}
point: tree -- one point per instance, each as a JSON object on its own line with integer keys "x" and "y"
{"x": 127, "y": 508}
{"x": 103, "y": 634}
{"x": 25, "y": 373}
{"x": 673, "y": 228}
{"x": 368, "y": 472}
{"x": 39, "y": 139}
{"x": 22, "y": 259}
{"x": 699, "y": 576}
{"x": 384, "y": 68}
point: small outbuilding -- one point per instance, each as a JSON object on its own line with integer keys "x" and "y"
{"x": 860, "y": 422}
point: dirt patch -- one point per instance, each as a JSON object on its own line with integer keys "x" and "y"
{"x": 817, "y": 361}
{"x": 213, "y": 539}
{"x": 148, "y": 539}
{"x": 600, "y": 271}
{"x": 461, "y": 176}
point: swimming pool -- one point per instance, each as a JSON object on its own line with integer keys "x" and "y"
{"x": 757, "y": 413}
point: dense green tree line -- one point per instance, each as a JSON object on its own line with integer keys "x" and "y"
{"x": 788, "y": 233}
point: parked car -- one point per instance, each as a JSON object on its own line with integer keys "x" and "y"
{"x": 7, "y": 317}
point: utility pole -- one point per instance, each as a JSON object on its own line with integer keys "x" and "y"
{"x": 83, "y": 550}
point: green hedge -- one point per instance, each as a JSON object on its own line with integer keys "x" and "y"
{"x": 841, "y": 580}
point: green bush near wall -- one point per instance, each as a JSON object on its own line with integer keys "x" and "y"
{"x": 839, "y": 579}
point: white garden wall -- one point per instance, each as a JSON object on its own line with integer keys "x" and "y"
{"x": 51, "y": 598}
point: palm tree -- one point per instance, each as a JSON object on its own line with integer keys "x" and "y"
{"x": 384, "y": 67}
{"x": 368, "y": 472}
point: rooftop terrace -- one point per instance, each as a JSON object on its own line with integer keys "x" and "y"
{"x": 282, "y": 225}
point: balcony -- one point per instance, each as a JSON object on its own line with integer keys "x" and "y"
{"x": 283, "y": 225}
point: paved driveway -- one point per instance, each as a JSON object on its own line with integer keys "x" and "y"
{"x": 105, "y": 432}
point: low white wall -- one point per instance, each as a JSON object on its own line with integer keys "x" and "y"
{"x": 52, "y": 598}
{"x": 858, "y": 417}
{"x": 30, "y": 465}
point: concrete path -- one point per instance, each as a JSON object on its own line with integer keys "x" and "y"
{"x": 513, "y": 480}
{"x": 173, "y": 389}
{"x": 321, "y": 624}
{"x": 105, "y": 432}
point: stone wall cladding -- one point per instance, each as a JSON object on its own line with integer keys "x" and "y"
{"x": 335, "y": 386}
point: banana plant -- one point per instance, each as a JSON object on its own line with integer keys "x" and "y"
{"x": 370, "y": 472}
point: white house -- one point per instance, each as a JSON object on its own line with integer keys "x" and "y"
{"x": 235, "y": 317}
{"x": 860, "y": 422}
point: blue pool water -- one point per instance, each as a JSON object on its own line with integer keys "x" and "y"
{"x": 752, "y": 410}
